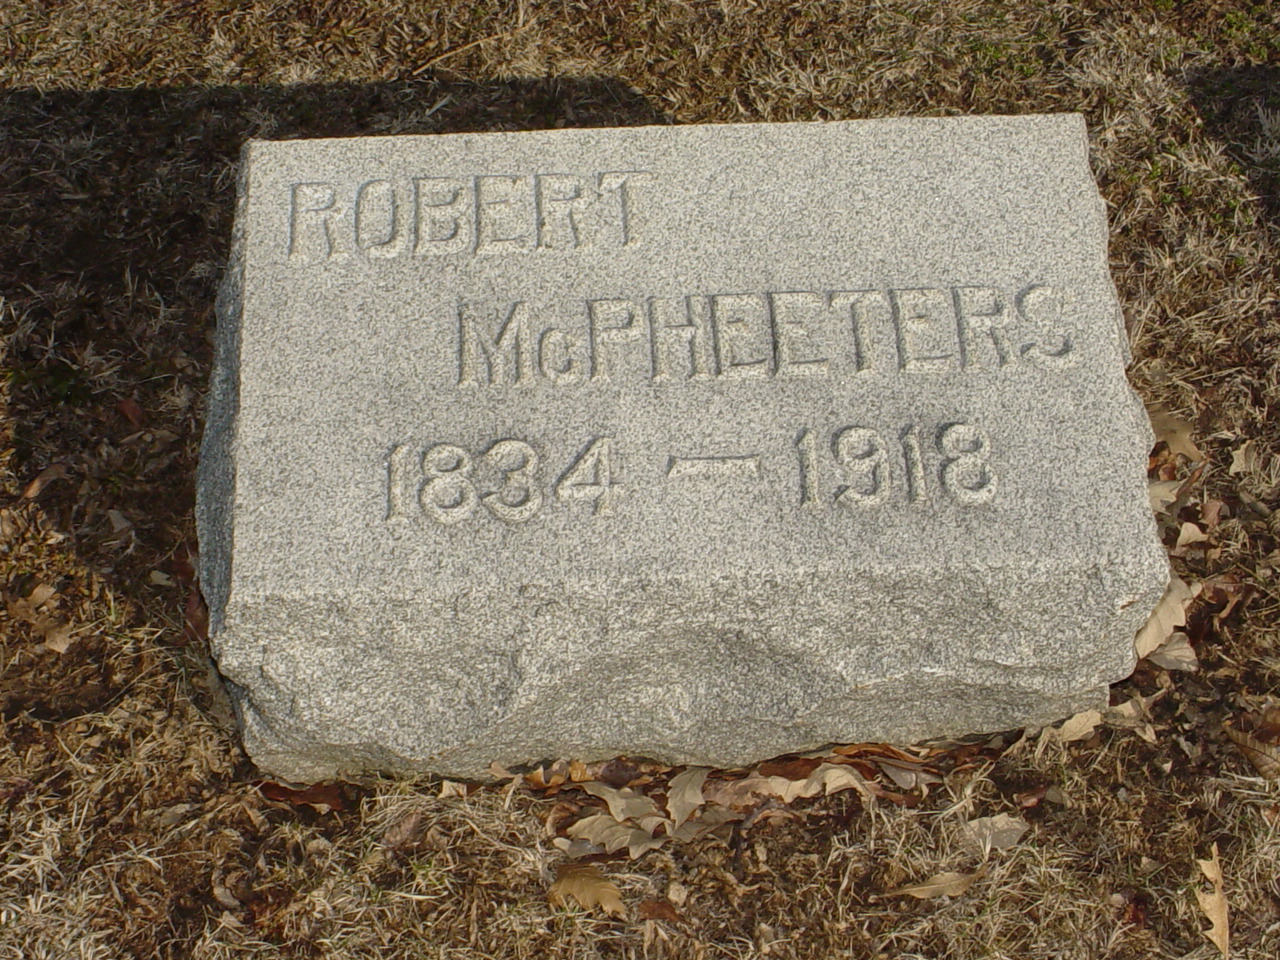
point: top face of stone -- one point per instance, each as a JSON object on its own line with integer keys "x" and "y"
{"x": 468, "y": 361}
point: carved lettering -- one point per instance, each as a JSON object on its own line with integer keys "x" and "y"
{"x": 871, "y": 469}
{"x": 447, "y": 495}
{"x": 404, "y": 479}
{"x": 784, "y": 334}
{"x": 313, "y": 234}
{"x": 678, "y": 338}
{"x": 795, "y": 317}
{"x": 519, "y": 498}
{"x": 449, "y": 485}
{"x": 486, "y": 214}
{"x": 924, "y": 323}
{"x": 620, "y": 183}
{"x": 559, "y": 197}
{"x": 983, "y": 315}
{"x": 966, "y": 472}
{"x": 493, "y": 344}
{"x": 556, "y": 360}
{"x": 442, "y": 215}
{"x": 1041, "y": 307}
{"x": 716, "y": 468}
{"x": 862, "y": 452}
{"x": 504, "y": 213}
{"x": 863, "y": 307}
{"x": 740, "y": 323}
{"x": 442, "y": 483}
{"x": 379, "y": 231}
{"x": 593, "y": 477}
{"x": 614, "y": 324}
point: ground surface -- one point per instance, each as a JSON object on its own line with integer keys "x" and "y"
{"x": 130, "y": 823}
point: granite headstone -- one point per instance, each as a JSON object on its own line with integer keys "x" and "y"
{"x": 702, "y": 443}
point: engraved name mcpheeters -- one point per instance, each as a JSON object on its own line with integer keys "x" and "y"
{"x": 760, "y": 335}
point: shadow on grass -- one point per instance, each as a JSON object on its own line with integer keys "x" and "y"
{"x": 115, "y": 220}
{"x": 1240, "y": 107}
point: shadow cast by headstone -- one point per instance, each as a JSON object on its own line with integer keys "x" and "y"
{"x": 116, "y": 210}
{"x": 1240, "y": 107}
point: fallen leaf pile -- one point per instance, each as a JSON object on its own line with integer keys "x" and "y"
{"x": 1133, "y": 714}
{"x": 620, "y": 806}
{"x": 37, "y": 609}
{"x": 1190, "y": 526}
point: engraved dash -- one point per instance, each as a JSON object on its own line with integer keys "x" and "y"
{"x": 720, "y": 467}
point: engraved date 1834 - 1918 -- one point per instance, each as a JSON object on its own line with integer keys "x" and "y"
{"x": 857, "y": 467}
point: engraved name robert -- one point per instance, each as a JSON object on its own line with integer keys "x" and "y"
{"x": 769, "y": 334}
{"x": 432, "y": 216}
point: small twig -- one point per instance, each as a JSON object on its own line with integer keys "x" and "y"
{"x": 738, "y": 840}
{"x": 466, "y": 46}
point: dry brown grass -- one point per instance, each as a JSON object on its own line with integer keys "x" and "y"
{"x": 130, "y": 824}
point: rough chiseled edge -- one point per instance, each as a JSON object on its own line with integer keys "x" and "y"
{"x": 1102, "y": 240}
{"x": 280, "y": 747}
{"x": 216, "y": 471}
{"x": 899, "y": 708}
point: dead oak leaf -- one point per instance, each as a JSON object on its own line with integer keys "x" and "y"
{"x": 322, "y": 796}
{"x": 1134, "y": 715}
{"x": 589, "y": 887}
{"x": 1176, "y": 654}
{"x": 995, "y": 833}
{"x": 710, "y": 820}
{"x": 624, "y": 803}
{"x": 826, "y": 779}
{"x": 451, "y": 788}
{"x": 28, "y": 608}
{"x": 548, "y": 778}
{"x": 57, "y": 636}
{"x": 1245, "y": 459}
{"x": 55, "y": 471}
{"x": 604, "y": 831}
{"x": 908, "y": 776}
{"x": 1174, "y": 431}
{"x": 684, "y": 794}
{"x": 132, "y": 411}
{"x": 1214, "y": 903}
{"x": 653, "y": 909}
{"x": 36, "y": 609}
{"x": 195, "y": 624}
{"x": 939, "y": 885}
{"x": 1188, "y": 534}
{"x": 1169, "y": 614}
{"x": 1212, "y": 513}
{"x": 1228, "y": 592}
{"x": 404, "y": 832}
{"x": 1163, "y": 494}
{"x": 874, "y": 750}
{"x": 1259, "y": 744}
{"x": 1080, "y": 727}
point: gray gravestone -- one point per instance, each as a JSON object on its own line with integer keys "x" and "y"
{"x": 703, "y": 443}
